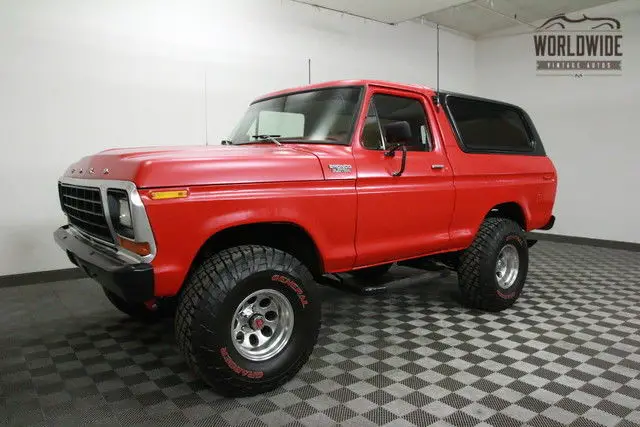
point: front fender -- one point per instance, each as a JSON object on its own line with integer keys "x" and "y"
{"x": 182, "y": 226}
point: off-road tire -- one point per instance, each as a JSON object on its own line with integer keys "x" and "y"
{"x": 140, "y": 311}
{"x": 477, "y": 275}
{"x": 371, "y": 273}
{"x": 206, "y": 308}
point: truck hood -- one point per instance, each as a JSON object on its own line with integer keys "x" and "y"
{"x": 150, "y": 167}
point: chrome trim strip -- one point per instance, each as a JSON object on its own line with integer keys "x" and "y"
{"x": 141, "y": 226}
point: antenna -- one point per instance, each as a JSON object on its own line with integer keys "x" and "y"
{"x": 309, "y": 67}
{"x": 437, "y": 100}
{"x": 206, "y": 111}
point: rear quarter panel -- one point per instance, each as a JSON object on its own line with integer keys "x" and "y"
{"x": 483, "y": 181}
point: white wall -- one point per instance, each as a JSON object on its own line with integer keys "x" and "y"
{"x": 79, "y": 76}
{"x": 589, "y": 127}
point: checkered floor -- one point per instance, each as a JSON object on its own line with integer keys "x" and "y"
{"x": 567, "y": 354}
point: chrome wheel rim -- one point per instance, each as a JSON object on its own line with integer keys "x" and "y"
{"x": 262, "y": 325}
{"x": 507, "y": 266}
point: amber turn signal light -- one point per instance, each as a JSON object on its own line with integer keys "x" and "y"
{"x": 140, "y": 248}
{"x": 168, "y": 194}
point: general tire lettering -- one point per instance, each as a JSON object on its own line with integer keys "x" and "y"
{"x": 237, "y": 369}
{"x": 293, "y": 285}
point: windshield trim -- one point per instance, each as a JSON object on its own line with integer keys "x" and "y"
{"x": 357, "y": 113}
{"x": 296, "y": 92}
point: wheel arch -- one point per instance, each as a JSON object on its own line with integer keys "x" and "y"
{"x": 511, "y": 210}
{"x": 284, "y": 235}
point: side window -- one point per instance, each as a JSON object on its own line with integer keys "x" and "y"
{"x": 489, "y": 126}
{"x": 396, "y": 120}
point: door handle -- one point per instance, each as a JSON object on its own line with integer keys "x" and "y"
{"x": 437, "y": 167}
{"x": 547, "y": 177}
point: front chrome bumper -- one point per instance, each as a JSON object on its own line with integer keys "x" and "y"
{"x": 133, "y": 282}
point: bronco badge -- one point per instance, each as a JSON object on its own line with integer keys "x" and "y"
{"x": 340, "y": 168}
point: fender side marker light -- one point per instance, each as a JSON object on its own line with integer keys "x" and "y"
{"x": 168, "y": 194}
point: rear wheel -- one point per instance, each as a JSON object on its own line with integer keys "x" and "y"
{"x": 248, "y": 319}
{"x": 493, "y": 270}
{"x": 371, "y": 273}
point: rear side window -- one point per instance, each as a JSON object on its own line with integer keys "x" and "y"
{"x": 488, "y": 126}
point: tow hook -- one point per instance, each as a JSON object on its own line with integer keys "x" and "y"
{"x": 151, "y": 304}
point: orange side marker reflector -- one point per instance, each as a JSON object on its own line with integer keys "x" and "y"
{"x": 168, "y": 194}
{"x": 140, "y": 248}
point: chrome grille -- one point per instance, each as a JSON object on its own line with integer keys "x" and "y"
{"x": 83, "y": 207}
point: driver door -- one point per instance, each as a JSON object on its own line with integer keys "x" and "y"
{"x": 408, "y": 215}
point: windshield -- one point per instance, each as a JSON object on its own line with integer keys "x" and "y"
{"x": 323, "y": 116}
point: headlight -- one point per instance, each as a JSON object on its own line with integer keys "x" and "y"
{"x": 120, "y": 212}
{"x": 125, "y": 213}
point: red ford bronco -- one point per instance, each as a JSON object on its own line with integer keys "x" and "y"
{"x": 341, "y": 177}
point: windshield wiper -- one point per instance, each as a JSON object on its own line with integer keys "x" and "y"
{"x": 271, "y": 138}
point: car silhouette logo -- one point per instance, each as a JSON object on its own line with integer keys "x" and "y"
{"x": 561, "y": 22}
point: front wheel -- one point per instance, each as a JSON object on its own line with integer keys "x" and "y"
{"x": 248, "y": 319}
{"x": 493, "y": 270}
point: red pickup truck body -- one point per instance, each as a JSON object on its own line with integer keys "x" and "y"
{"x": 356, "y": 219}
{"x": 336, "y": 207}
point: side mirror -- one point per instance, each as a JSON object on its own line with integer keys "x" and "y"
{"x": 392, "y": 152}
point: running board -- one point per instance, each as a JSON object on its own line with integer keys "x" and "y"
{"x": 423, "y": 264}
{"x": 337, "y": 282}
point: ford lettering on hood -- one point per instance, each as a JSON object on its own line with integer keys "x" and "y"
{"x": 200, "y": 165}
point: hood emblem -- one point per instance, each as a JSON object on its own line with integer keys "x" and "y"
{"x": 105, "y": 171}
{"x": 340, "y": 168}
